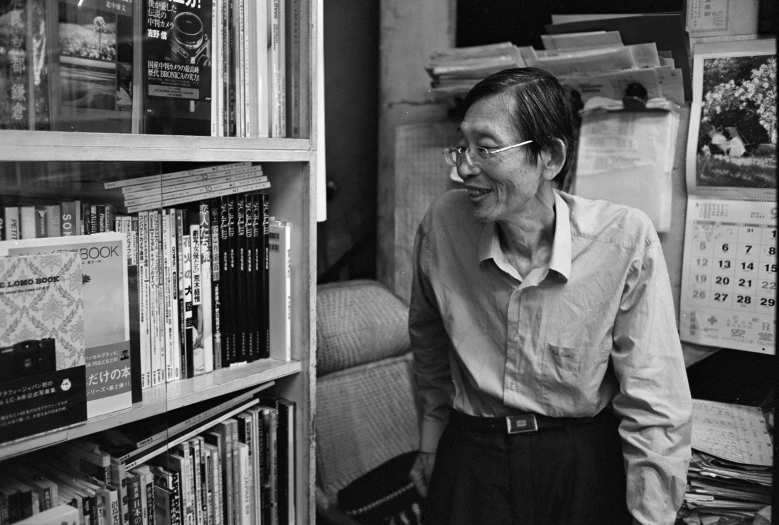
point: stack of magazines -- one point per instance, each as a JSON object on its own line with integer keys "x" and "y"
{"x": 455, "y": 71}
{"x": 731, "y": 468}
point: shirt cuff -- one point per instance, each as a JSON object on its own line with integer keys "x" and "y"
{"x": 430, "y": 433}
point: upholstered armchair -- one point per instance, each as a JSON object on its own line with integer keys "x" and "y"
{"x": 366, "y": 415}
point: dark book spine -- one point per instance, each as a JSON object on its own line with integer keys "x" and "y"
{"x": 133, "y": 299}
{"x": 134, "y": 499}
{"x": 233, "y": 278}
{"x": 14, "y": 98}
{"x": 240, "y": 272}
{"x": 250, "y": 316}
{"x": 225, "y": 297}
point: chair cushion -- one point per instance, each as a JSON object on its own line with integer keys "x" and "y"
{"x": 383, "y": 495}
{"x": 358, "y": 321}
{"x": 365, "y": 416}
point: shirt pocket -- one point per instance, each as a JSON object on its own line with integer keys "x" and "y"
{"x": 572, "y": 375}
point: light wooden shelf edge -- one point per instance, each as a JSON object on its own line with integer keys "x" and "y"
{"x": 61, "y": 146}
{"x": 163, "y": 398}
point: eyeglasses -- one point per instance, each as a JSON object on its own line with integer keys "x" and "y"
{"x": 454, "y": 156}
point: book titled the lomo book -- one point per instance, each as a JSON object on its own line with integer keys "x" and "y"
{"x": 177, "y": 50}
{"x": 106, "y": 312}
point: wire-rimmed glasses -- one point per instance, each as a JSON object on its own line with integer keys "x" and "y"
{"x": 454, "y": 156}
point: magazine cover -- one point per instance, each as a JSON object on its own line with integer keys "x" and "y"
{"x": 106, "y": 312}
{"x": 42, "y": 372}
{"x": 94, "y": 70}
{"x": 177, "y": 49}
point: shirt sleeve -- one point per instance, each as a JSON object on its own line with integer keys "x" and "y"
{"x": 654, "y": 401}
{"x": 430, "y": 345}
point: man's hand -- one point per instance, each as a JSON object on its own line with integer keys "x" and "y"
{"x": 421, "y": 471}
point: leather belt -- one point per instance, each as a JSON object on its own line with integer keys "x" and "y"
{"x": 522, "y": 423}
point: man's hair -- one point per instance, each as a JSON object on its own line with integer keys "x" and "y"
{"x": 542, "y": 111}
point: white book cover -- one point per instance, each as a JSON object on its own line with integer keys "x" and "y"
{"x": 196, "y": 324}
{"x": 174, "y": 291}
{"x": 106, "y": 312}
{"x": 280, "y": 290}
{"x": 205, "y": 284}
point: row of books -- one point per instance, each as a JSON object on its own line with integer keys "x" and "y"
{"x": 211, "y": 67}
{"x": 168, "y": 293}
{"x": 232, "y": 467}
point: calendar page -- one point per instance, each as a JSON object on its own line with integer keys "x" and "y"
{"x": 729, "y": 282}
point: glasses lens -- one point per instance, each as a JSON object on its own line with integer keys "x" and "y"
{"x": 452, "y": 156}
{"x": 481, "y": 153}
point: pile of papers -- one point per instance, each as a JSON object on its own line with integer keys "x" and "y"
{"x": 455, "y": 71}
{"x": 598, "y": 58}
{"x": 731, "y": 469}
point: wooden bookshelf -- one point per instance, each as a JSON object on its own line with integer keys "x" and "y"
{"x": 291, "y": 165}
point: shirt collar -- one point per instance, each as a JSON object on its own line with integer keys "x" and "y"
{"x": 559, "y": 260}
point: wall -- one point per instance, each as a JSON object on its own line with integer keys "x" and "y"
{"x": 351, "y": 44}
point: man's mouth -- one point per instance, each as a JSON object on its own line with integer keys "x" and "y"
{"x": 477, "y": 192}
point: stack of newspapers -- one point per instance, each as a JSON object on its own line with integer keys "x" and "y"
{"x": 455, "y": 71}
{"x": 731, "y": 468}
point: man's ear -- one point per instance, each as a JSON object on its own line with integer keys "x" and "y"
{"x": 553, "y": 159}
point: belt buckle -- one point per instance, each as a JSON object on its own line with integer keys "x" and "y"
{"x": 521, "y": 424}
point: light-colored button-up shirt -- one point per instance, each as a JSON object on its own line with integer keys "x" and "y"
{"x": 594, "y": 327}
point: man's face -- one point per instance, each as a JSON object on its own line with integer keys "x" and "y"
{"x": 503, "y": 185}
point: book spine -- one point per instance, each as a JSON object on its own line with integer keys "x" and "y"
{"x": 163, "y": 505}
{"x": 28, "y": 222}
{"x": 71, "y": 213}
{"x": 232, "y": 280}
{"x": 182, "y": 255}
{"x": 205, "y": 284}
{"x": 119, "y": 480}
{"x": 196, "y": 326}
{"x": 150, "y": 504}
{"x": 264, "y": 215}
{"x": 13, "y": 227}
{"x": 240, "y": 273}
{"x": 41, "y": 221}
{"x": 216, "y": 259}
{"x": 187, "y": 357}
{"x": 194, "y": 189}
{"x": 262, "y": 48}
{"x": 53, "y": 220}
{"x": 143, "y": 287}
{"x": 156, "y": 312}
{"x": 167, "y": 290}
{"x": 216, "y": 475}
{"x": 277, "y": 87}
{"x": 280, "y": 291}
{"x": 188, "y": 481}
{"x": 250, "y": 314}
{"x": 173, "y": 287}
{"x": 14, "y": 101}
{"x": 292, "y": 47}
{"x": 134, "y": 499}
{"x": 244, "y": 494}
{"x": 224, "y": 66}
{"x": 197, "y": 471}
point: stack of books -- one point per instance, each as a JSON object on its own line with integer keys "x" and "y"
{"x": 228, "y": 462}
{"x": 731, "y": 469}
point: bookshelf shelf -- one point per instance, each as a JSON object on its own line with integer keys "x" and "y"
{"x": 64, "y": 146}
{"x": 160, "y": 399}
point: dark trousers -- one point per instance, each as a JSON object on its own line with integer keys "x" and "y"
{"x": 557, "y": 476}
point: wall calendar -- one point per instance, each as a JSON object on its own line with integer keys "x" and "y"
{"x": 729, "y": 283}
{"x": 728, "y": 296}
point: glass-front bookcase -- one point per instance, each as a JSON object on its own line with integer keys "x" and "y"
{"x": 157, "y": 261}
